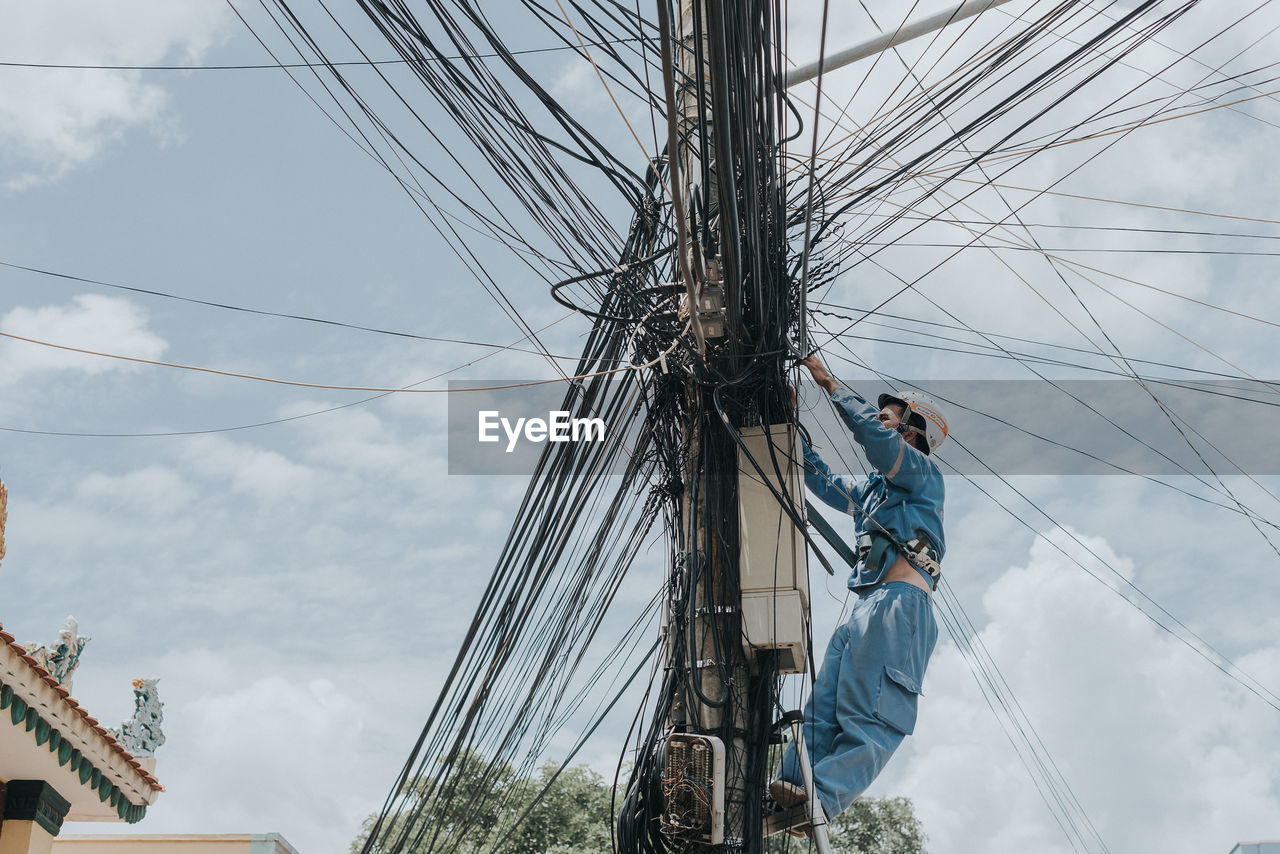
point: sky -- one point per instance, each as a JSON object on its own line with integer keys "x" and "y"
{"x": 300, "y": 587}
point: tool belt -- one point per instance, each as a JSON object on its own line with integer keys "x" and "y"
{"x": 918, "y": 552}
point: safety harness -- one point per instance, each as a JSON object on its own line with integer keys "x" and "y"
{"x": 919, "y": 553}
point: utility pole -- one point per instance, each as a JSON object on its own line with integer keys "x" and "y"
{"x": 710, "y": 712}
{"x": 721, "y": 635}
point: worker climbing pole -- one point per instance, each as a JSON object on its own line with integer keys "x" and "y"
{"x": 737, "y": 610}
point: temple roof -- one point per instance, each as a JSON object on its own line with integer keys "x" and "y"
{"x": 46, "y": 735}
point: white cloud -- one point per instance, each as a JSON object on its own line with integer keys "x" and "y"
{"x": 263, "y": 474}
{"x": 269, "y": 751}
{"x": 1164, "y": 752}
{"x": 91, "y": 322}
{"x": 153, "y": 490}
{"x": 53, "y": 120}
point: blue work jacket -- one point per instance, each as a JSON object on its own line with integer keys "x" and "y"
{"x": 904, "y": 494}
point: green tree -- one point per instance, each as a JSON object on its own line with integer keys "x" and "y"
{"x": 870, "y": 826}
{"x": 878, "y": 826}
{"x": 573, "y": 816}
{"x": 493, "y": 808}
{"x": 467, "y": 804}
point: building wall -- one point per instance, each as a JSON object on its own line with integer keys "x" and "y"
{"x": 178, "y": 843}
{"x": 1257, "y": 848}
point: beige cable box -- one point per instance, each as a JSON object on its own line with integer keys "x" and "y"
{"x": 772, "y": 560}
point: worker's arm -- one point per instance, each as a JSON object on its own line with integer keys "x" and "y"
{"x": 887, "y": 450}
{"x": 840, "y": 491}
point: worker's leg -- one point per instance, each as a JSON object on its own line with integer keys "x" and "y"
{"x": 888, "y": 640}
{"x": 820, "y": 726}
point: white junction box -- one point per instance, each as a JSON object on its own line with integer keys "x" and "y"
{"x": 774, "y": 572}
{"x": 693, "y": 788}
{"x": 776, "y": 620}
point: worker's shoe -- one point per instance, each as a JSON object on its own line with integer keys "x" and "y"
{"x": 789, "y": 812}
{"x": 793, "y": 821}
{"x": 786, "y": 794}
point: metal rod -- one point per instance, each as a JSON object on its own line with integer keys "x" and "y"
{"x": 892, "y": 38}
{"x": 817, "y": 816}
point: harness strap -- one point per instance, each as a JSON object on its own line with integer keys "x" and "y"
{"x": 871, "y": 548}
{"x": 919, "y": 553}
{"x": 923, "y": 556}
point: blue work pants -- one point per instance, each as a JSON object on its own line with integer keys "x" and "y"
{"x": 867, "y": 689}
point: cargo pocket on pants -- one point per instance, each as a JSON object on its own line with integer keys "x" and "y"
{"x": 898, "y": 700}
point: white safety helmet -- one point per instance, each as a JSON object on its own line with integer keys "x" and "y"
{"x": 926, "y": 416}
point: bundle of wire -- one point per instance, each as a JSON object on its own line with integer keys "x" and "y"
{"x": 713, "y": 207}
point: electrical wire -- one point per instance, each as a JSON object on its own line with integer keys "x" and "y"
{"x": 276, "y": 66}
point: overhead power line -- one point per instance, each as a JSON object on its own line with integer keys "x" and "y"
{"x": 265, "y": 313}
{"x": 275, "y": 65}
{"x": 300, "y": 384}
